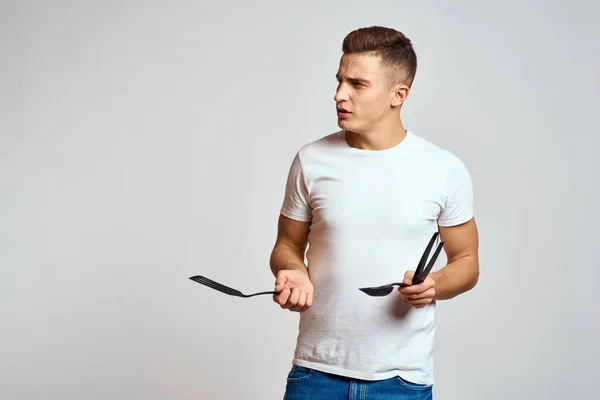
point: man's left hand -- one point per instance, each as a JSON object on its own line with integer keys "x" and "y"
{"x": 419, "y": 295}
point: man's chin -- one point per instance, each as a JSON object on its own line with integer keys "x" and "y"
{"x": 343, "y": 124}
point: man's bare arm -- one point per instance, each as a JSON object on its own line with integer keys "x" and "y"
{"x": 461, "y": 273}
{"x": 292, "y": 282}
{"x": 288, "y": 252}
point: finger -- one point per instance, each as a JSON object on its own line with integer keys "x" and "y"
{"x": 408, "y": 277}
{"x": 418, "y": 302}
{"x": 282, "y": 297}
{"x": 301, "y": 302}
{"x": 288, "y": 301}
{"x": 285, "y": 286}
{"x": 308, "y": 304}
{"x": 408, "y": 290}
{"x": 415, "y": 289}
{"x": 309, "y": 300}
{"x": 429, "y": 293}
{"x": 296, "y": 306}
{"x": 302, "y": 299}
{"x": 419, "y": 296}
{"x": 280, "y": 281}
{"x": 293, "y": 299}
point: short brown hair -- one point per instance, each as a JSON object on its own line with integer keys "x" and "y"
{"x": 393, "y": 48}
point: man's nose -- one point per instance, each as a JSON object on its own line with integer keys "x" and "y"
{"x": 341, "y": 94}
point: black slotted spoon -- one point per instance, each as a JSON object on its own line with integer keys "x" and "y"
{"x": 420, "y": 273}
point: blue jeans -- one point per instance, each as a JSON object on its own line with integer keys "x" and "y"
{"x": 309, "y": 384}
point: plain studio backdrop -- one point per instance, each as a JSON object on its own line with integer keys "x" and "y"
{"x": 146, "y": 142}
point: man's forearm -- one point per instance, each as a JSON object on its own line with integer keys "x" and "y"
{"x": 457, "y": 277}
{"x": 286, "y": 257}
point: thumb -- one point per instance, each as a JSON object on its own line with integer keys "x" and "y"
{"x": 280, "y": 281}
{"x": 408, "y": 276}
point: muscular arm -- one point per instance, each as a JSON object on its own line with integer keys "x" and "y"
{"x": 288, "y": 252}
{"x": 461, "y": 273}
{"x": 294, "y": 290}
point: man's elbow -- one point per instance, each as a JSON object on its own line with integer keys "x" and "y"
{"x": 474, "y": 274}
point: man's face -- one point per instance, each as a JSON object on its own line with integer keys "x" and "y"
{"x": 363, "y": 97}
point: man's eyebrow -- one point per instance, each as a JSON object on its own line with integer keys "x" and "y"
{"x": 350, "y": 79}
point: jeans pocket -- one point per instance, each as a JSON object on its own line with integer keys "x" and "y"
{"x": 299, "y": 374}
{"x": 415, "y": 387}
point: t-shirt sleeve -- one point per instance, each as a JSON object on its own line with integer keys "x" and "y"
{"x": 295, "y": 202}
{"x": 458, "y": 207}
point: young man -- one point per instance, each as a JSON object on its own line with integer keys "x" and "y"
{"x": 367, "y": 199}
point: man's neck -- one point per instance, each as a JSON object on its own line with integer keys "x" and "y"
{"x": 379, "y": 139}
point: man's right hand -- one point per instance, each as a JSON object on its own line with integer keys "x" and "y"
{"x": 295, "y": 290}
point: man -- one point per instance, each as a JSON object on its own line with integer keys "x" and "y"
{"x": 366, "y": 200}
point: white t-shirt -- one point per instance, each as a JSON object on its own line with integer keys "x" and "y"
{"x": 373, "y": 213}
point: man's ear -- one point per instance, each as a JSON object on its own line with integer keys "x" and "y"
{"x": 399, "y": 94}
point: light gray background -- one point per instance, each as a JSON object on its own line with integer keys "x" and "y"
{"x": 145, "y": 142}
